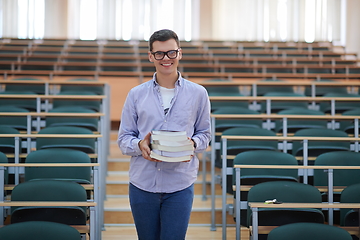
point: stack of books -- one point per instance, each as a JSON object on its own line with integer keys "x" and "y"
{"x": 171, "y": 146}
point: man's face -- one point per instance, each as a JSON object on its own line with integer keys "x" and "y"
{"x": 166, "y": 65}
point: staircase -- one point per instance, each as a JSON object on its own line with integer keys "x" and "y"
{"x": 117, "y": 208}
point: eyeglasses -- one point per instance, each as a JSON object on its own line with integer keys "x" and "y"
{"x": 159, "y": 55}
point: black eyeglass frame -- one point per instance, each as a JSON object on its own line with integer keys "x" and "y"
{"x": 166, "y": 53}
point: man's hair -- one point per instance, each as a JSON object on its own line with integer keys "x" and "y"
{"x": 163, "y": 35}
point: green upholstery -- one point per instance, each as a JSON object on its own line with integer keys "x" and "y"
{"x": 39, "y": 230}
{"x": 7, "y": 144}
{"x": 58, "y": 155}
{"x": 322, "y": 90}
{"x": 340, "y": 106}
{"x": 315, "y": 148}
{"x": 36, "y": 88}
{"x": 91, "y": 104}
{"x": 4, "y": 159}
{"x": 224, "y": 91}
{"x": 235, "y": 147}
{"x": 223, "y": 124}
{"x": 49, "y": 190}
{"x": 84, "y": 144}
{"x": 348, "y": 126}
{"x": 29, "y": 104}
{"x": 287, "y": 192}
{"x": 308, "y": 231}
{"x": 18, "y": 122}
{"x": 294, "y": 125}
{"x": 90, "y": 123}
{"x": 341, "y": 177}
{"x": 263, "y": 89}
{"x": 351, "y": 194}
{"x": 277, "y": 105}
{"x": 97, "y": 89}
{"x": 265, "y": 157}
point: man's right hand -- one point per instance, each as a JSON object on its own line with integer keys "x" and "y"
{"x": 144, "y": 146}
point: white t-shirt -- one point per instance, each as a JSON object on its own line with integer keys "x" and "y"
{"x": 167, "y": 95}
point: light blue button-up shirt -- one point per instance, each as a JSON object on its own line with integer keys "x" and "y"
{"x": 143, "y": 112}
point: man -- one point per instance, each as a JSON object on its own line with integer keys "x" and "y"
{"x": 161, "y": 193}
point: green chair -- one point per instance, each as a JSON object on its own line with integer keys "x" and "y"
{"x": 340, "y": 106}
{"x": 39, "y": 230}
{"x": 86, "y": 145}
{"x": 348, "y": 126}
{"x": 224, "y": 91}
{"x": 315, "y": 148}
{"x": 89, "y": 123}
{"x": 277, "y": 105}
{"x": 4, "y": 159}
{"x": 38, "y": 88}
{"x": 261, "y": 90}
{"x": 235, "y": 147}
{"x": 17, "y": 122}
{"x": 7, "y": 144}
{"x": 58, "y": 155}
{"x": 341, "y": 177}
{"x": 255, "y": 176}
{"x": 308, "y": 231}
{"x": 287, "y": 192}
{"x": 97, "y": 89}
{"x": 322, "y": 90}
{"x": 294, "y": 125}
{"x": 29, "y": 104}
{"x": 49, "y": 190}
{"x": 223, "y": 124}
{"x": 351, "y": 194}
{"x": 90, "y": 104}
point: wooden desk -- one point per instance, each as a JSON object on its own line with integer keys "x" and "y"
{"x": 255, "y": 206}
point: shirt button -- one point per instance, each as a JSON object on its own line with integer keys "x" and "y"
{"x": 159, "y": 169}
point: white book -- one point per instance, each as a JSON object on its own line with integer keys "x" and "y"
{"x": 170, "y": 159}
{"x": 173, "y": 154}
{"x": 169, "y": 135}
{"x": 185, "y": 147}
{"x": 172, "y": 143}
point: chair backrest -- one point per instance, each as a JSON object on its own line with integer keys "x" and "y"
{"x": 7, "y": 144}
{"x": 265, "y": 157}
{"x": 84, "y": 144}
{"x": 308, "y": 231}
{"x": 294, "y": 125}
{"x": 91, "y": 104}
{"x": 341, "y": 177}
{"x": 18, "y": 122}
{"x": 39, "y": 230}
{"x": 340, "y": 106}
{"x": 261, "y": 89}
{"x": 58, "y": 155}
{"x": 97, "y": 89}
{"x": 29, "y": 104}
{"x": 315, "y": 148}
{"x": 236, "y": 146}
{"x": 349, "y": 126}
{"x": 36, "y": 88}
{"x": 4, "y": 159}
{"x": 351, "y": 194}
{"x": 49, "y": 190}
{"x": 277, "y": 106}
{"x": 90, "y": 123}
{"x": 223, "y": 124}
{"x": 285, "y": 191}
{"x": 322, "y": 90}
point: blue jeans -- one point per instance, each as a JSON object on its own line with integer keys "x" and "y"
{"x": 161, "y": 216}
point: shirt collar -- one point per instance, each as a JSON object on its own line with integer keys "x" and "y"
{"x": 179, "y": 81}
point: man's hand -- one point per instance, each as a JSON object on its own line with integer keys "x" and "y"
{"x": 144, "y": 146}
